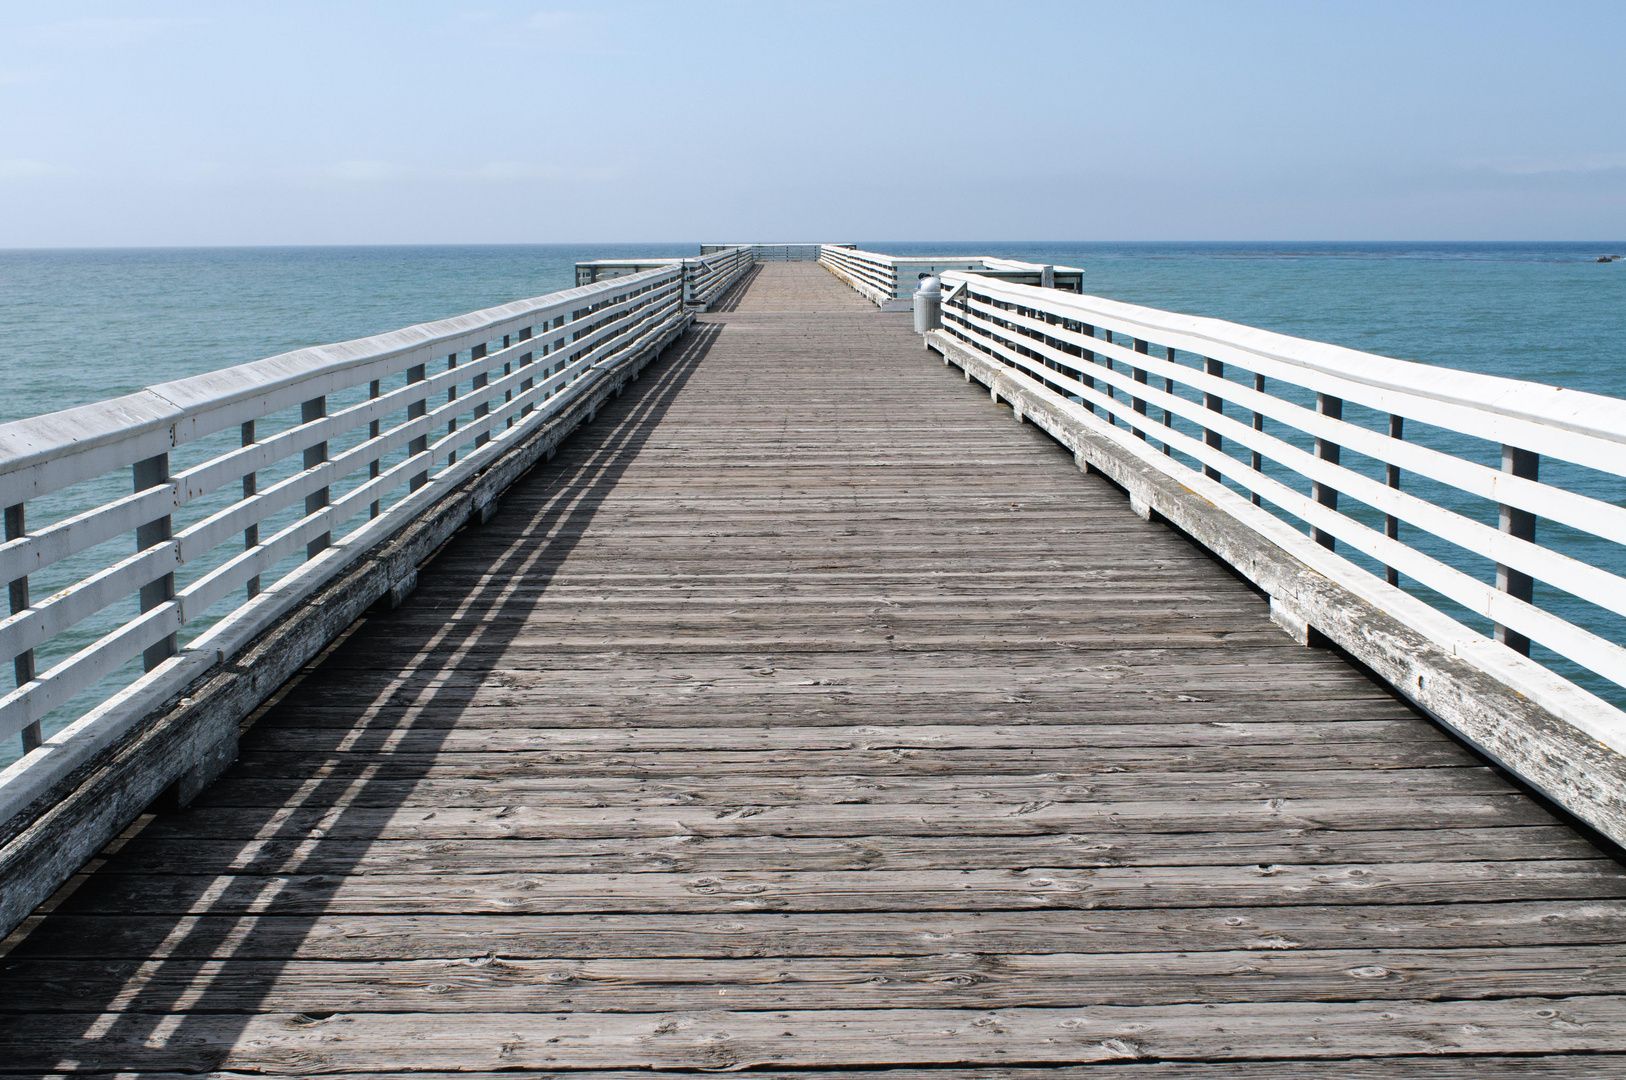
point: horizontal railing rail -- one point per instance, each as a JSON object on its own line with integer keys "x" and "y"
{"x": 1417, "y": 488}
{"x": 149, "y": 537}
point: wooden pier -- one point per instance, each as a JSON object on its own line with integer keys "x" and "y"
{"x": 778, "y": 722}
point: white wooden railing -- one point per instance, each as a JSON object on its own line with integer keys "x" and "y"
{"x": 149, "y": 537}
{"x": 1414, "y": 489}
{"x": 710, "y": 276}
{"x": 873, "y": 276}
{"x": 706, "y": 278}
{"x": 802, "y": 252}
{"x": 889, "y": 281}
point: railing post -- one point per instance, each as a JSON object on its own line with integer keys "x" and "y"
{"x": 1111, "y": 417}
{"x": 479, "y": 382}
{"x": 525, "y": 360}
{"x": 150, "y": 473}
{"x": 1168, "y": 388}
{"x": 23, "y": 662}
{"x": 309, "y": 412}
{"x": 1520, "y": 524}
{"x": 374, "y": 466}
{"x": 1214, "y": 403}
{"x": 1327, "y": 450}
{"x": 1258, "y": 461}
{"x": 1088, "y": 355}
{"x": 1391, "y": 524}
{"x": 1139, "y": 374}
{"x": 451, "y": 396}
{"x": 507, "y": 369}
{"x": 251, "y": 488}
{"x": 559, "y": 343}
{"x": 416, "y": 410}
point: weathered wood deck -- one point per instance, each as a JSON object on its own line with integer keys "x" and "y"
{"x": 805, "y": 712}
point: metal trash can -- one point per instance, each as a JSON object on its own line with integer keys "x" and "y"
{"x": 928, "y": 304}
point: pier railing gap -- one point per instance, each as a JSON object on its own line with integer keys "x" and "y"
{"x": 270, "y": 504}
{"x": 1309, "y": 506}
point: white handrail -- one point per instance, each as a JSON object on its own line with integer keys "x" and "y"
{"x": 1480, "y": 402}
{"x": 710, "y": 276}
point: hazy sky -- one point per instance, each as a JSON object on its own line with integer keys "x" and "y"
{"x": 172, "y": 123}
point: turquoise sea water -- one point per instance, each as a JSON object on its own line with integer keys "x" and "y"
{"x": 79, "y": 326}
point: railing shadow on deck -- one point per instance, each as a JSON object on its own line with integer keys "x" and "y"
{"x": 194, "y": 931}
{"x": 730, "y": 300}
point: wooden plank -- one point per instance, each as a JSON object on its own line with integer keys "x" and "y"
{"x": 1474, "y": 1067}
{"x": 320, "y": 763}
{"x": 997, "y": 819}
{"x": 862, "y": 890}
{"x": 350, "y": 1042}
{"x": 403, "y": 736}
{"x": 437, "y": 702}
{"x": 768, "y": 632}
{"x": 701, "y": 789}
{"x": 186, "y": 854}
{"x": 952, "y": 981}
{"x": 1033, "y": 664}
{"x": 746, "y": 934}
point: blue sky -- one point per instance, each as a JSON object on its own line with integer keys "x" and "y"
{"x": 164, "y": 123}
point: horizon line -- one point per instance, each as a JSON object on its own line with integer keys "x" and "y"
{"x": 697, "y": 243}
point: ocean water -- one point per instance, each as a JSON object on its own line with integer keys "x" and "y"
{"x": 1548, "y": 312}
{"x": 80, "y": 326}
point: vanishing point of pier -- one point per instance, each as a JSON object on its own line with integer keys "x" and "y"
{"x": 801, "y": 711}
